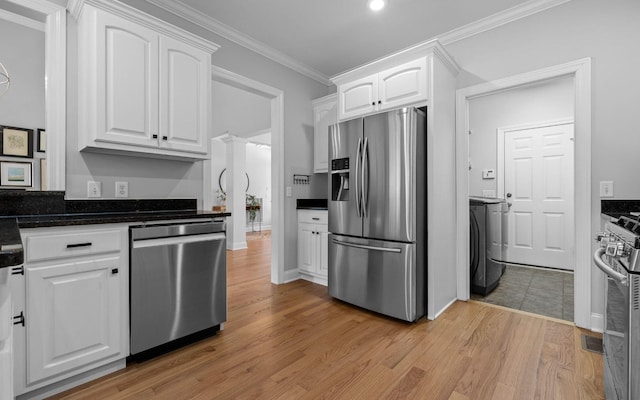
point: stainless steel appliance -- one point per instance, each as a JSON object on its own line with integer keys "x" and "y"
{"x": 487, "y": 228}
{"x": 178, "y": 281}
{"x": 377, "y": 213}
{"x": 617, "y": 257}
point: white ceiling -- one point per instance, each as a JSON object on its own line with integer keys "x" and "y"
{"x": 333, "y": 36}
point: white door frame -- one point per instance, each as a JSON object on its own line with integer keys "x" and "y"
{"x": 581, "y": 71}
{"x": 276, "y": 98}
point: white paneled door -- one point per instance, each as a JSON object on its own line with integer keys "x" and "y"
{"x": 538, "y": 185}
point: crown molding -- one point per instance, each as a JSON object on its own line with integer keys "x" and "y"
{"x": 21, "y": 20}
{"x": 498, "y": 19}
{"x": 75, "y": 7}
{"x": 211, "y": 24}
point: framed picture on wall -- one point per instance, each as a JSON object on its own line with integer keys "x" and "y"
{"x": 15, "y": 174}
{"x": 43, "y": 174}
{"x": 16, "y": 142}
{"x": 42, "y": 140}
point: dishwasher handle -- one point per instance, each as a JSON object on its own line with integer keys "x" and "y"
{"x": 167, "y": 241}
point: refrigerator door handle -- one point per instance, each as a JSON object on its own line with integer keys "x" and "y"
{"x": 365, "y": 177}
{"x": 365, "y": 247}
{"x": 357, "y": 186}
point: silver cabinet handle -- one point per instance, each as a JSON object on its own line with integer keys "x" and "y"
{"x": 615, "y": 275}
{"x": 365, "y": 247}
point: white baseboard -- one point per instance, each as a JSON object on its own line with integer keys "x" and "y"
{"x": 443, "y": 309}
{"x": 291, "y": 275}
{"x": 237, "y": 246}
{"x": 264, "y": 228}
{"x": 597, "y": 322}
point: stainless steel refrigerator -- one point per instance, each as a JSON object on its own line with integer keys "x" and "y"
{"x": 377, "y": 213}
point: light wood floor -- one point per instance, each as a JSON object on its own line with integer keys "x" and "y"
{"x": 294, "y": 342}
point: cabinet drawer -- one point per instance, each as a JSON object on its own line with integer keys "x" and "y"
{"x": 313, "y": 216}
{"x": 81, "y": 243}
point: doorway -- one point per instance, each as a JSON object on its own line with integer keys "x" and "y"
{"x": 580, "y": 72}
{"x": 275, "y": 98}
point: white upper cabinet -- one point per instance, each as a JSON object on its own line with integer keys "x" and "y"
{"x": 358, "y": 97}
{"x": 144, "y": 85}
{"x": 184, "y": 88}
{"x": 402, "y": 85}
{"x": 393, "y": 87}
{"x": 324, "y": 115}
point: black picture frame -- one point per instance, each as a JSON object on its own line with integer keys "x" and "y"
{"x": 42, "y": 140}
{"x": 16, "y": 142}
{"x": 16, "y": 174}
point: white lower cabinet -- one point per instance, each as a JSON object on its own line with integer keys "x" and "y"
{"x": 313, "y": 246}
{"x": 74, "y": 316}
{"x": 71, "y": 310}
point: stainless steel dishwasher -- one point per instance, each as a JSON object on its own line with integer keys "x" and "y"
{"x": 178, "y": 282}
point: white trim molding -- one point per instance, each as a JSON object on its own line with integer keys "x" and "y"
{"x": 498, "y": 19}
{"x": 581, "y": 71}
{"x": 55, "y": 48}
{"x": 211, "y": 24}
{"x": 276, "y": 98}
{"x": 22, "y": 20}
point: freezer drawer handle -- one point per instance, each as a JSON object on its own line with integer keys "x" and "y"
{"x": 74, "y": 245}
{"x": 362, "y": 246}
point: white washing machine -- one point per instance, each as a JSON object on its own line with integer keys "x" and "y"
{"x": 487, "y": 226}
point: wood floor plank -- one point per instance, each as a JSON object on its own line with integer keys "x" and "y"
{"x": 294, "y": 341}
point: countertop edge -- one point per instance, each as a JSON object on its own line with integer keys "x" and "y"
{"x": 11, "y": 249}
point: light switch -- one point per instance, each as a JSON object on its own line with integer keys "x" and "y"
{"x": 289, "y": 191}
{"x": 606, "y": 188}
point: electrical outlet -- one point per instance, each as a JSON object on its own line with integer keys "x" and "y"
{"x": 94, "y": 189}
{"x": 606, "y": 188}
{"x": 289, "y": 191}
{"x": 122, "y": 189}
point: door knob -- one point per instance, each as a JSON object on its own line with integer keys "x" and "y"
{"x": 508, "y": 195}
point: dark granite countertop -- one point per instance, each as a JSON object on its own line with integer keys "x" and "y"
{"x": 618, "y": 208}
{"x": 311, "y": 204}
{"x": 21, "y": 210}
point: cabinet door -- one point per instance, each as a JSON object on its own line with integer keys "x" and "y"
{"x": 306, "y": 251}
{"x": 404, "y": 84}
{"x": 358, "y": 97}
{"x": 127, "y": 82}
{"x": 185, "y": 84}
{"x": 324, "y": 115}
{"x": 72, "y": 315}
{"x": 323, "y": 250}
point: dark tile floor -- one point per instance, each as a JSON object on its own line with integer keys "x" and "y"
{"x": 537, "y": 290}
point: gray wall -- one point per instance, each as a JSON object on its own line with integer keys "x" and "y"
{"x": 238, "y": 112}
{"x": 609, "y": 34}
{"x": 546, "y": 101}
{"x": 22, "y": 54}
{"x": 157, "y": 178}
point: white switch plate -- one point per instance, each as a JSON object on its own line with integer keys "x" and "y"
{"x": 289, "y": 191}
{"x": 488, "y": 174}
{"x": 122, "y": 189}
{"x": 606, "y": 188}
{"x": 94, "y": 189}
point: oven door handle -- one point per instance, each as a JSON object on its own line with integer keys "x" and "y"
{"x": 600, "y": 263}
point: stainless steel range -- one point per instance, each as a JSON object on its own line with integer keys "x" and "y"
{"x": 617, "y": 257}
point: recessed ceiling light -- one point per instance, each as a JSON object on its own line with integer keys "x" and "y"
{"x": 377, "y": 5}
